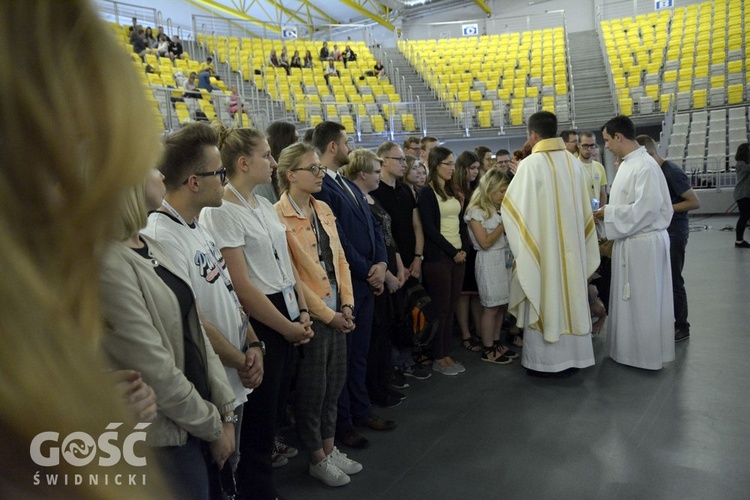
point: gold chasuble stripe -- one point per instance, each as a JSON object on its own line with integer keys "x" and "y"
{"x": 563, "y": 252}
{"x": 525, "y": 235}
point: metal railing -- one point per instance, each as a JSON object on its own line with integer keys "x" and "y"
{"x": 123, "y": 13}
{"x": 487, "y": 26}
{"x": 632, "y": 8}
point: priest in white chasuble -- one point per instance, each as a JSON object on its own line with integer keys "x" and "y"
{"x": 548, "y": 219}
{"x": 641, "y": 310}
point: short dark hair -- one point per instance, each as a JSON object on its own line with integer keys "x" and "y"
{"x": 544, "y": 124}
{"x": 325, "y": 133}
{"x": 184, "y": 152}
{"x": 587, "y": 133}
{"x": 411, "y": 140}
{"x": 620, "y": 125}
{"x": 308, "y": 135}
{"x": 565, "y": 134}
{"x": 424, "y": 140}
{"x": 647, "y": 142}
{"x": 743, "y": 152}
{"x": 480, "y": 151}
{"x": 502, "y": 152}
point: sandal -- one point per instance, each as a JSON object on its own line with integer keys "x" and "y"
{"x": 471, "y": 344}
{"x": 424, "y": 359}
{"x": 493, "y": 355}
{"x": 505, "y": 351}
{"x": 516, "y": 339}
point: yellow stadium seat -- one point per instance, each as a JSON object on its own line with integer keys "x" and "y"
{"x": 664, "y": 101}
{"x": 699, "y": 98}
{"x": 407, "y": 121}
{"x": 718, "y": 81}
{"x": 735, "y": 94}
{"x": 378, "y": 124}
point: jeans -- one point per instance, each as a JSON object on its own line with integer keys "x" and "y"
{"x": 677, "y": 256}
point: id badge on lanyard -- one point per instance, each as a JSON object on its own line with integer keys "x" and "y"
{"x": 333, "y": 299}
{"x": 245, "y": 322}
{"x": 290, "y": 299}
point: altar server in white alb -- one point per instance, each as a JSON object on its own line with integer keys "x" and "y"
{"x": 550, "y": 228}
{"x": 641, "y": 313}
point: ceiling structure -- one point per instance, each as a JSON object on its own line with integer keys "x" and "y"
{"x": 267, "y": 18}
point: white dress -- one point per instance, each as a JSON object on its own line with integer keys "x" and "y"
{"x": 492, "y": 265}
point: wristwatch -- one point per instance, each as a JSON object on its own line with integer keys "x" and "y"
{"x": 419, "y": 256}
{"x": 258, "y": 343}
{"x": 232, "y": 418}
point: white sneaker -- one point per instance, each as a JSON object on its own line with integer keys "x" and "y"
{"x": 346, "y": 464}
{"x": 328, "y": 473}
{"x": 459, "y": 367}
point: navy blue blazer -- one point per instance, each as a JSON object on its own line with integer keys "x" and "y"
{"x": 361, "y": 235}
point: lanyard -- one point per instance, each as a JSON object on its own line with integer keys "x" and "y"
{"x": 262, "y": 219}
{"x": 204, "y": 242}
{"x": 591, "y": 175}
{"x": 315, "y": 224}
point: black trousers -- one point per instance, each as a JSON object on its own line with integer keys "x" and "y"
{"x": 254, "y": 472}
{"x": 743, "y": 205}
{"x": 677, "y": 256}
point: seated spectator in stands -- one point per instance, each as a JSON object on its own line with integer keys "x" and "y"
{"x": 308, "y": 62}
{"x": 234, "y": 100}
{"x": 296, "y": 61}
{"x": 191, "y": 87}
{"x": 175, "y": 48}
{"x": 331, "y": 71}
{"x": 273, "y": 59}
{"x": 135, "y": 25}
{"x": 316, "y": 253}
{"x": 336, "y": 53}
{"x": 204, "y": 81}
{"x": 348, "y": 55}
{"x": 150, "y": 40}
{"x": 379, "y": 69}
{"x": 208, "y": 66}
{"x": 160, "y": 32}
{"x": 162, "y": 49}
{"x": 325, "y": 53}
{"x": 152, "y": 326}
{"x": 140, "y": 46}
{"x": 284, "y": 60}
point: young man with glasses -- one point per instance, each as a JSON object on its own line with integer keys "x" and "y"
{"x": 195, "y": 178}
{"x": 570, "y": 137}
{"x": 596, "y": 176}
{"x": 406, "y": 226}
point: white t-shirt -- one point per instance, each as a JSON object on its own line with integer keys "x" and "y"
{"x": 258, "y": 232}
{"x": 188, "y": 248}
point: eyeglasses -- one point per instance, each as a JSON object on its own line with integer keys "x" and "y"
{"x": 589, "y": 146}
{"x": 503, "y": 162}
{"x": 447, "y": 164}
{"x": 399, "y": 159}
{"x": 315, "y": 169}
{"x": 222, "y": 173}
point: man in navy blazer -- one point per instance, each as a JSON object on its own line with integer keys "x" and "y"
{"x": 364, "y": 246}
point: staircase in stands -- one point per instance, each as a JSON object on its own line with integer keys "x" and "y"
{"x": 593, "y": 98}
{"x": 438, "y": 118}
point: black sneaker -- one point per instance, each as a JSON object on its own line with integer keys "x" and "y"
{"x": 385, "y": 400}
{"x": 418, "y": 372}
{"x": 742, "y": 244}
{"x": 395, "y": 393}
{"x": 399, "y": 380}
{"x": 680, "y": 335}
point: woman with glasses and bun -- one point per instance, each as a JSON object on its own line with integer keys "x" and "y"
{"x": 252, "y": 241}
{"x": 440, "y": 205}
{"x": 325, "y": 279}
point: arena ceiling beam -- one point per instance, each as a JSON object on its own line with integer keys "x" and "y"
{"x": 310, "y": 6}
{"x": 483, "y": 5}
{"x": 211, "y": 5}
{"x": 375, "y": 16}
{"x": 290, "y": 13}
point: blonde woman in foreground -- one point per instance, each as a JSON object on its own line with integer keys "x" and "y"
{"x": 72, "y": 144}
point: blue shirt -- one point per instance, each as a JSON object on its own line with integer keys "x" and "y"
{"x": 678, "y": 183}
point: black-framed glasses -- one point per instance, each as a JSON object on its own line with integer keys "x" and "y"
{"x": 400, "y": 159}
{"x": 589, "y": 146}
{"x": 222, "y": 173}
{"x": 447, "y": 164}
{"x": 315, "y": 169}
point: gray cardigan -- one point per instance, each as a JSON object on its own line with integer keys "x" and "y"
{"x": 144, "y": 332}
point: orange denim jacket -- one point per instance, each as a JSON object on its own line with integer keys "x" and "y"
{"x": 302, "y": 248}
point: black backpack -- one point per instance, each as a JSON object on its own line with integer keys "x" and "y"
{"x": 417, "y": 318}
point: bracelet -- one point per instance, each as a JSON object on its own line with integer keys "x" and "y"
{"x": 348, "y": 305}
{"x": 304, "y": 311}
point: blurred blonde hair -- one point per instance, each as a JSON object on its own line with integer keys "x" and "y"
{"x": 74, "y": 138}
{"x": 490, "y": 183}
{"x": 235, "y": 142}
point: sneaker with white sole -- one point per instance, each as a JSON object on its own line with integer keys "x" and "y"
{"x": 328, "y": 473}
{"x": 278, "y": 460}
{"x": 449, "y": 370}
{"x": 346, "y": 464}
{"x": 459, "y": 367}
{"x": 284, "y": 449}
